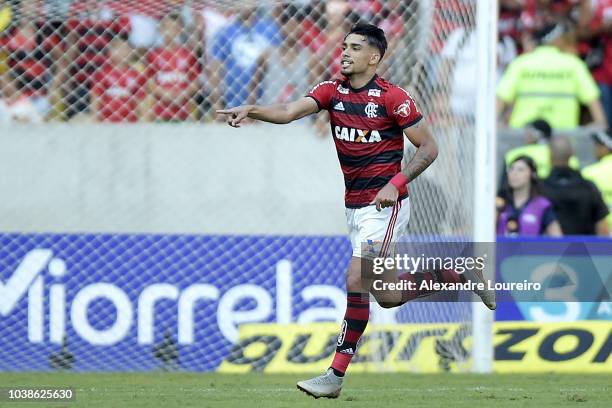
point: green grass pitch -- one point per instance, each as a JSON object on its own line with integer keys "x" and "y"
{"x": 152, "y": 390}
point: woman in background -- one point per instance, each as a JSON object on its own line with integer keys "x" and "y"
{"x": 522, "y": 210}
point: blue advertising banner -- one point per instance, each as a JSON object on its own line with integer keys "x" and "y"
{"x": 102, "y": 302}
{"x": 141, "y": 302}
{"x": 119, "y": 302}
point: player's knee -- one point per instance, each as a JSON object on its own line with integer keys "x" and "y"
{"x": 353, "y": 283}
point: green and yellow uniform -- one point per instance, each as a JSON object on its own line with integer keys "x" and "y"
{"x": 600, "y": 174}
{"x": 547, "y": 84}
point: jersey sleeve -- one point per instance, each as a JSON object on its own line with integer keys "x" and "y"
{"x": 322, "y": 94}
{"x": 402, "y": 109}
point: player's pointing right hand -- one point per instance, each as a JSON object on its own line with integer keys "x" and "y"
{"x": 236, "y": 115}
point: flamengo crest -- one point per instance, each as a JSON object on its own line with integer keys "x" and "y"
{"x": 370, "y": 110}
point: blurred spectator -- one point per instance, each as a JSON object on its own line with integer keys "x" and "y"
{"x": 284, "y": 70}
{"x": 91, "y": 26}
{"x": 325, "y": 61}
{"x": 17, "y": 108}
{"x": 577, "y": 202}
{"x": 367, "y": 9}
{"x": 547, "y": 83}
{"x": 143, "y": 17}
{"x": 212, "y": 20}
{"x": 537, "y": 146}
{"x": 31, "y": 47}
{"x": 507, "y": 52}
{"x": 391, "y": 19}
{"x": 510, "y": 23}
{"x": 536, "y": 15}
{"x": 337, "y": 21}
{"x": 522, "y": 210}
{"x": 458, "y": 75}
{"x": 596, "y": 27}
{"x": 236, "y": 50}
{"x": 173, "y": 73}
{"x": 446, "y": 19}
{"x": 312, "y": 26}
{"x": 600, "y": 173}
{"x": 118, "y": 88}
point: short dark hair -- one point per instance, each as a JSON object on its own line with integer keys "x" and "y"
{"x": 542, "y": 128}
{"x": 376, "y": 36}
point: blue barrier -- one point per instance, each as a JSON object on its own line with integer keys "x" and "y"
{"x": 131, "y": 302}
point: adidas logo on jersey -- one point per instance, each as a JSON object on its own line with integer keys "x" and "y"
{"x": 357, "y": 135}
{"x": 339, "y": 106}
{"x": 374, "y": 92}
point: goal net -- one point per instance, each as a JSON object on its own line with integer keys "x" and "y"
{"x": 140, "y": 233}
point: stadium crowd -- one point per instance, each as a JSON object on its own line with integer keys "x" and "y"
{"x": 129, "y": 60}
{"x": 167, "y": 60}
{"x": 179, "y": 60}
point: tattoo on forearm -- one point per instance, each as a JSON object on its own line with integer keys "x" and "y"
{"x": 419, "y": 162}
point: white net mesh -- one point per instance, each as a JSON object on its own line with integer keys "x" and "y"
{"x": 177, "y": 61}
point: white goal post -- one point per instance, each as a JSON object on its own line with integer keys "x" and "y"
{"x": 486, "y": 169}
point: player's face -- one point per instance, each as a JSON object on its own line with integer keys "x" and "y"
{"x": 519, "y": 175}
{"x": 357, "y": 55}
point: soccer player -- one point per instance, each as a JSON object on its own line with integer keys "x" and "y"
{"x": 369, "y": 117}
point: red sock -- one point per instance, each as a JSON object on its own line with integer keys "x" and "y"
{"x": 353, "y": 326}
{"x": 434, "y": 276}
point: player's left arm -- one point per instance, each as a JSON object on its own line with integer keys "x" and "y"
{"x": 427, "y": 150}
{"x": 406, "y": 115}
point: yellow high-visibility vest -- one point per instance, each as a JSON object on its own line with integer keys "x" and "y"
{"x": 600, "y": 174}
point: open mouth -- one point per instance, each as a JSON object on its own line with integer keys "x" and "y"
{"x": 345, "y": 64}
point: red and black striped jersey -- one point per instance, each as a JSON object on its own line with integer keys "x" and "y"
{"x": 367, "y": 127}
